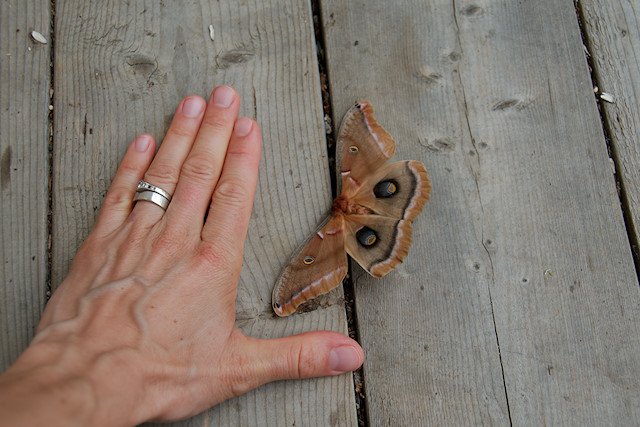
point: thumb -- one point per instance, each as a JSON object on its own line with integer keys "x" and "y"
{"x": 311, "y": 354}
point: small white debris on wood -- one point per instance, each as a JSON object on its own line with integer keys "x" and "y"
{"x": 596, "y": 89}
{"x": 607, "y": 97}
{"x": 212, "y": 32}
{"x": 586, "y": 51}
{"x": 36, "y": 36}
{"x": 328, "y": 129}
{"x": 50, "y": 107}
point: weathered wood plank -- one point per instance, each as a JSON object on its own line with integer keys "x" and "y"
{"x": 613, "y": 35}
{"x": 427, "y": 329}
{"x": 521, "y": 257}
{"x": 123, "y": 69}
{"x": 24, "y": 172}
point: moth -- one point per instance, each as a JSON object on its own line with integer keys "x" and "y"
{"x": 370, "y": 219}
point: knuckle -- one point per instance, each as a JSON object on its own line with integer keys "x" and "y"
{"x": 231, "y": 193}
{"x": 170, "y": 242}
{"x": 181, "y": 131}
{"x": 242, "y": 153}
{"x": 134, "y": 240}
{"x": 213, "y": 255}
{"x": 161, "y": 173}
{"x": 300, "y": 363}
{"x": 218, "y": 122}
{"x": 199, "y": 168}
{"x": 129, "y": 167}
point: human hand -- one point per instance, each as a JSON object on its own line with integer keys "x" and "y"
{"x": 143, "y": 327}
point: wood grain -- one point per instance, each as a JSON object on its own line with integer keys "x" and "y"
{"x": 24, "y": 172}
{"x": 124, "y": 66}
{"x": 613, "y": 35}
{"x": 519, "y": 301}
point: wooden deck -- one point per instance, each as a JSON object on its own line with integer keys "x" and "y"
{"x": 519, "y": 302}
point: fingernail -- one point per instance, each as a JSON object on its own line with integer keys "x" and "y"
{"x": 243, "y": 126}
{"x": 223, "y": 96}
{"x": 192, "y": 107}
{"x": 142, "y": 143}
{"x": 344, "y": 359}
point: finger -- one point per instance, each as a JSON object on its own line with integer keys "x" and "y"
{"x": 118, "y": 202}
{"x": 307, "y": 355}
{"x": 232, "y": 199}
{"x": 165, "y": 168}
{"x": 201, "y": 169}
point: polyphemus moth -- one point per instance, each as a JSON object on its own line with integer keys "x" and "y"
{"x": 370, "y": 220}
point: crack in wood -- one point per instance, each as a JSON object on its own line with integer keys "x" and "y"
{"x": 475, "y": 172}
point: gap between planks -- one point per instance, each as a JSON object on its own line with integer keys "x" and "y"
{"x": 614, "y": 155}
{"x": 331, "y": 127}
{"x": 49, "y": 275}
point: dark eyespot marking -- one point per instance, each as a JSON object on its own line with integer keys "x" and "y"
{"x": 308, "y": 260}
{"x": 367, "y": 237}
{"x": 276, "y": 304}
{"x": 353, "y": 149}
{"x": 385, "y": 189}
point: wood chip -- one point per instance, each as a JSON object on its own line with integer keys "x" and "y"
{"x": 212, "y": 32}
{"x": 607, "y": 97}
{"x": 36, "y": 36}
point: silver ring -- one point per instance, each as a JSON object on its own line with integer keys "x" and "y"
{"x": 153, "y": 197}
{"x": 145, "y": 186}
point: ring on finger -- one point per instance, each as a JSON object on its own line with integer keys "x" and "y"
{"x": 145, "y": 186}
{"x": 150, "y": 196}
{"x": 150, "y": 193}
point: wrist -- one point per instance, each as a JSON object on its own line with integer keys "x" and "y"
{"x": 56, "y": 384}
{"x": 36, "y": 393}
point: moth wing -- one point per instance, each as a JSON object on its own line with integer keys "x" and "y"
{"x": 398, "y": 190}
{"x": 383, "y": 252}
{"x": 317, "y": 266}
{"x": 363, "y": 146}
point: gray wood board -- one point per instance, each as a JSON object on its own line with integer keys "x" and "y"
{"x": 519, "y": 300}
{"x": 613, "y": 35}
{"x": 24, "y": 172}
{"x": 121, "y": 70}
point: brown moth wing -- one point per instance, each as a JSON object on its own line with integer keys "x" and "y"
{"x": 386, "y": 251}
{"x": 363, "y": 146}
{"x": 300, "y": 281}
{"x": 398, "y": 190}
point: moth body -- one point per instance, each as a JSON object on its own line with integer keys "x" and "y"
{"x": 343, "y": 206}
